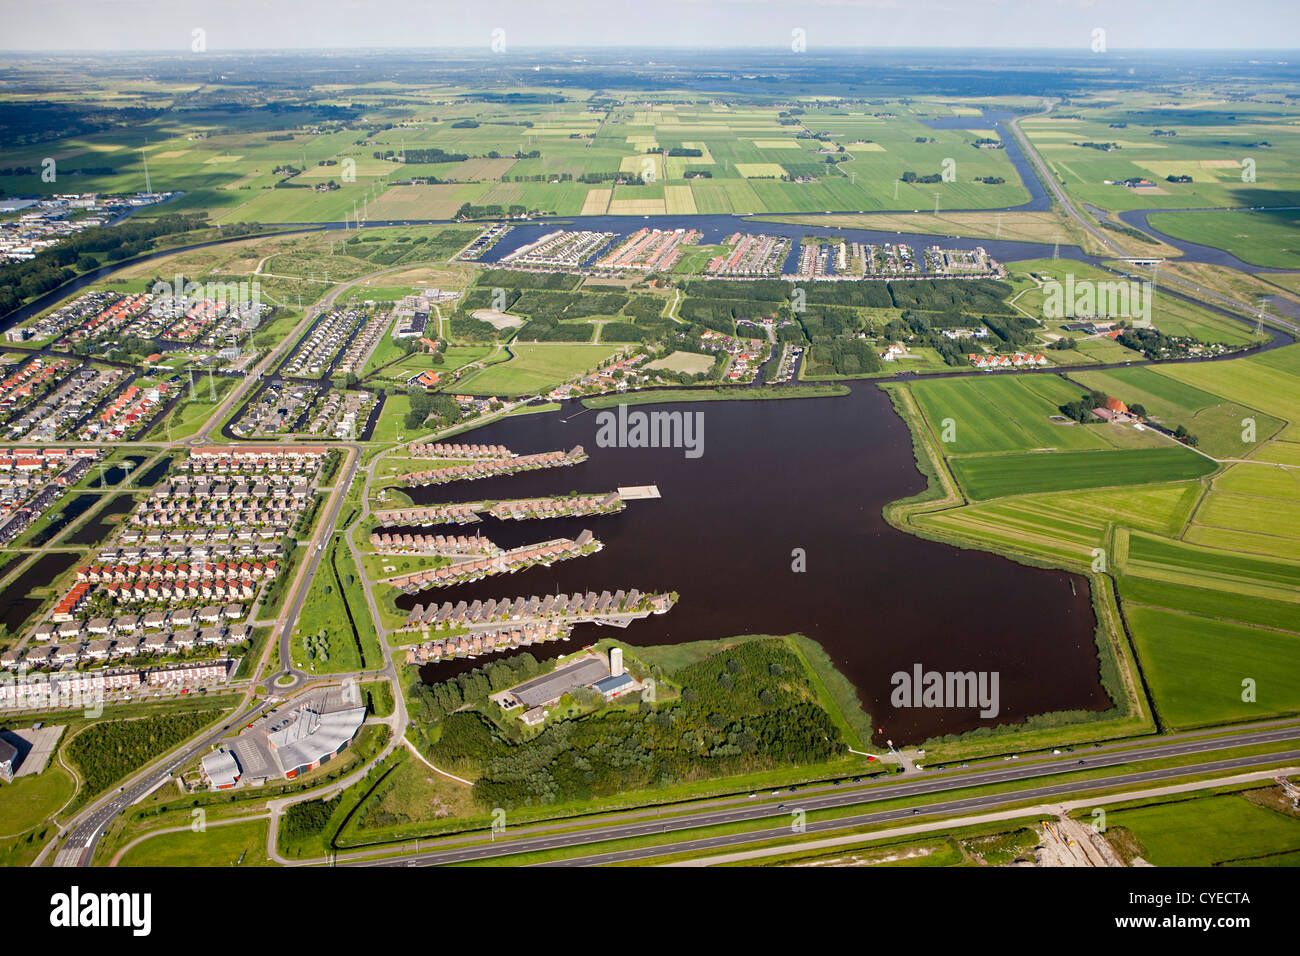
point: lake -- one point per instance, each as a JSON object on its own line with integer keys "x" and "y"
{"x": 774, "y": 476}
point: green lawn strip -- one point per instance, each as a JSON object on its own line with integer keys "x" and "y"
{"x": 254, "y": 653}
{"x": 379, "y": 697}
{"x": 230, "y": 844}
{"x": 376, "y": 566}
{"x": 724, "y": 393}
{"x": 277, "y": 591}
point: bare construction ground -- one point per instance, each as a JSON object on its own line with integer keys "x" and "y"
{"x": 498, "y": 320}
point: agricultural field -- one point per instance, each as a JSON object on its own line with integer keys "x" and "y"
{"x": 1233, "y": 153}
{"x": 993, "y": 476}
{"x": 1260, "y": 238}
{"x": 1218, "y": 424}
{"x": 557, "y": 158}
{"x": 1217, "y": 830}
{"x": 1014, "y": 413}
{"x": 219, "y": 844}
{"x": 1266, "y": 381}
{"x": 1180, "y": 563}
{"x": 1222, "y": 605}
{"x": 1065, "y": 526}
{"x": 1196, "y": 666}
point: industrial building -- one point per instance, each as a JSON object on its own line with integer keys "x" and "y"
{"x": 220, "y": 769}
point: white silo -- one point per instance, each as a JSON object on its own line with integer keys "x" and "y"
{"x": 615, "y": 661}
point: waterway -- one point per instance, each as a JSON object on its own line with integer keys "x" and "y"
{"x": 776, "y": 476}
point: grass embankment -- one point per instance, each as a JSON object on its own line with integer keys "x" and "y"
{"x": 1116, "y": 661}
{"x": 721, "y": 394}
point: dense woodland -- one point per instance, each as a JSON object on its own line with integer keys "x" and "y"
{"x": 749, "y": 708}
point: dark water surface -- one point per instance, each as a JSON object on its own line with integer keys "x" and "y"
{"x": 97, "y": 528}
{"x": 15, "y": 606}
{"x": 776, "y": 475}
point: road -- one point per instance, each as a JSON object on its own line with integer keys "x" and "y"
{"x": 307, "y": 571}
{"x": 1113, "y": 246}
{"x": 85, "y": 829}
{"x": 929, "y": 782}
{"x": 1058, "y": 809}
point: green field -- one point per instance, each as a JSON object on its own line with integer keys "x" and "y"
{"x": 1217, "y": 423}
{"x": 1261, "y": 238}
{"x": 993, "y": 476}
{"x": 227, "y": 844}
{"x": 1064, "y": 526}
{"x": 1266, "y": 381}
{"x": 1221, "y": 604}
{"x": 1209, "y": 831}
{"x": 229, "y": 171}
{"x": 1180, "y": 563}
{"x": 535, "y": 368}
{"x": 1196, "y": 666}
{"x": 29, "y": 801}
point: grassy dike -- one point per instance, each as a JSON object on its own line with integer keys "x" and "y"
{"x": 665, "y": 396}
{"x": 1120, "y": 674}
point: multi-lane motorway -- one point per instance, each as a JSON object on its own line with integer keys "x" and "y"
{"x": 912, "y": 786}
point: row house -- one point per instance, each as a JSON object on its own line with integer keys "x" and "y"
{"x": 487, "y": 468}
{"x": 460, "y": 543}
{"x": 458, "y": 450}
{"x": 445, "y": 514}
{"x": 186, "y": 675}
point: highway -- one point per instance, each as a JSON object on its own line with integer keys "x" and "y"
{"x": 967, "y": 805}
{"x": 85, "y": 829}
{"x": 88, "y": 826}
{"x": 1044, "y": 174}
{"x": 928, "y": 782}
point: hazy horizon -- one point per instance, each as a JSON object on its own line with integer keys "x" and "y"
{"x": 250, "y": 26}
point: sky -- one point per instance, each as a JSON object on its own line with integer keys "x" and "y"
{"x": 233, "y": 25}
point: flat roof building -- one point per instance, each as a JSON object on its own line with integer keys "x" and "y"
{"x": 221, "y": 769}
